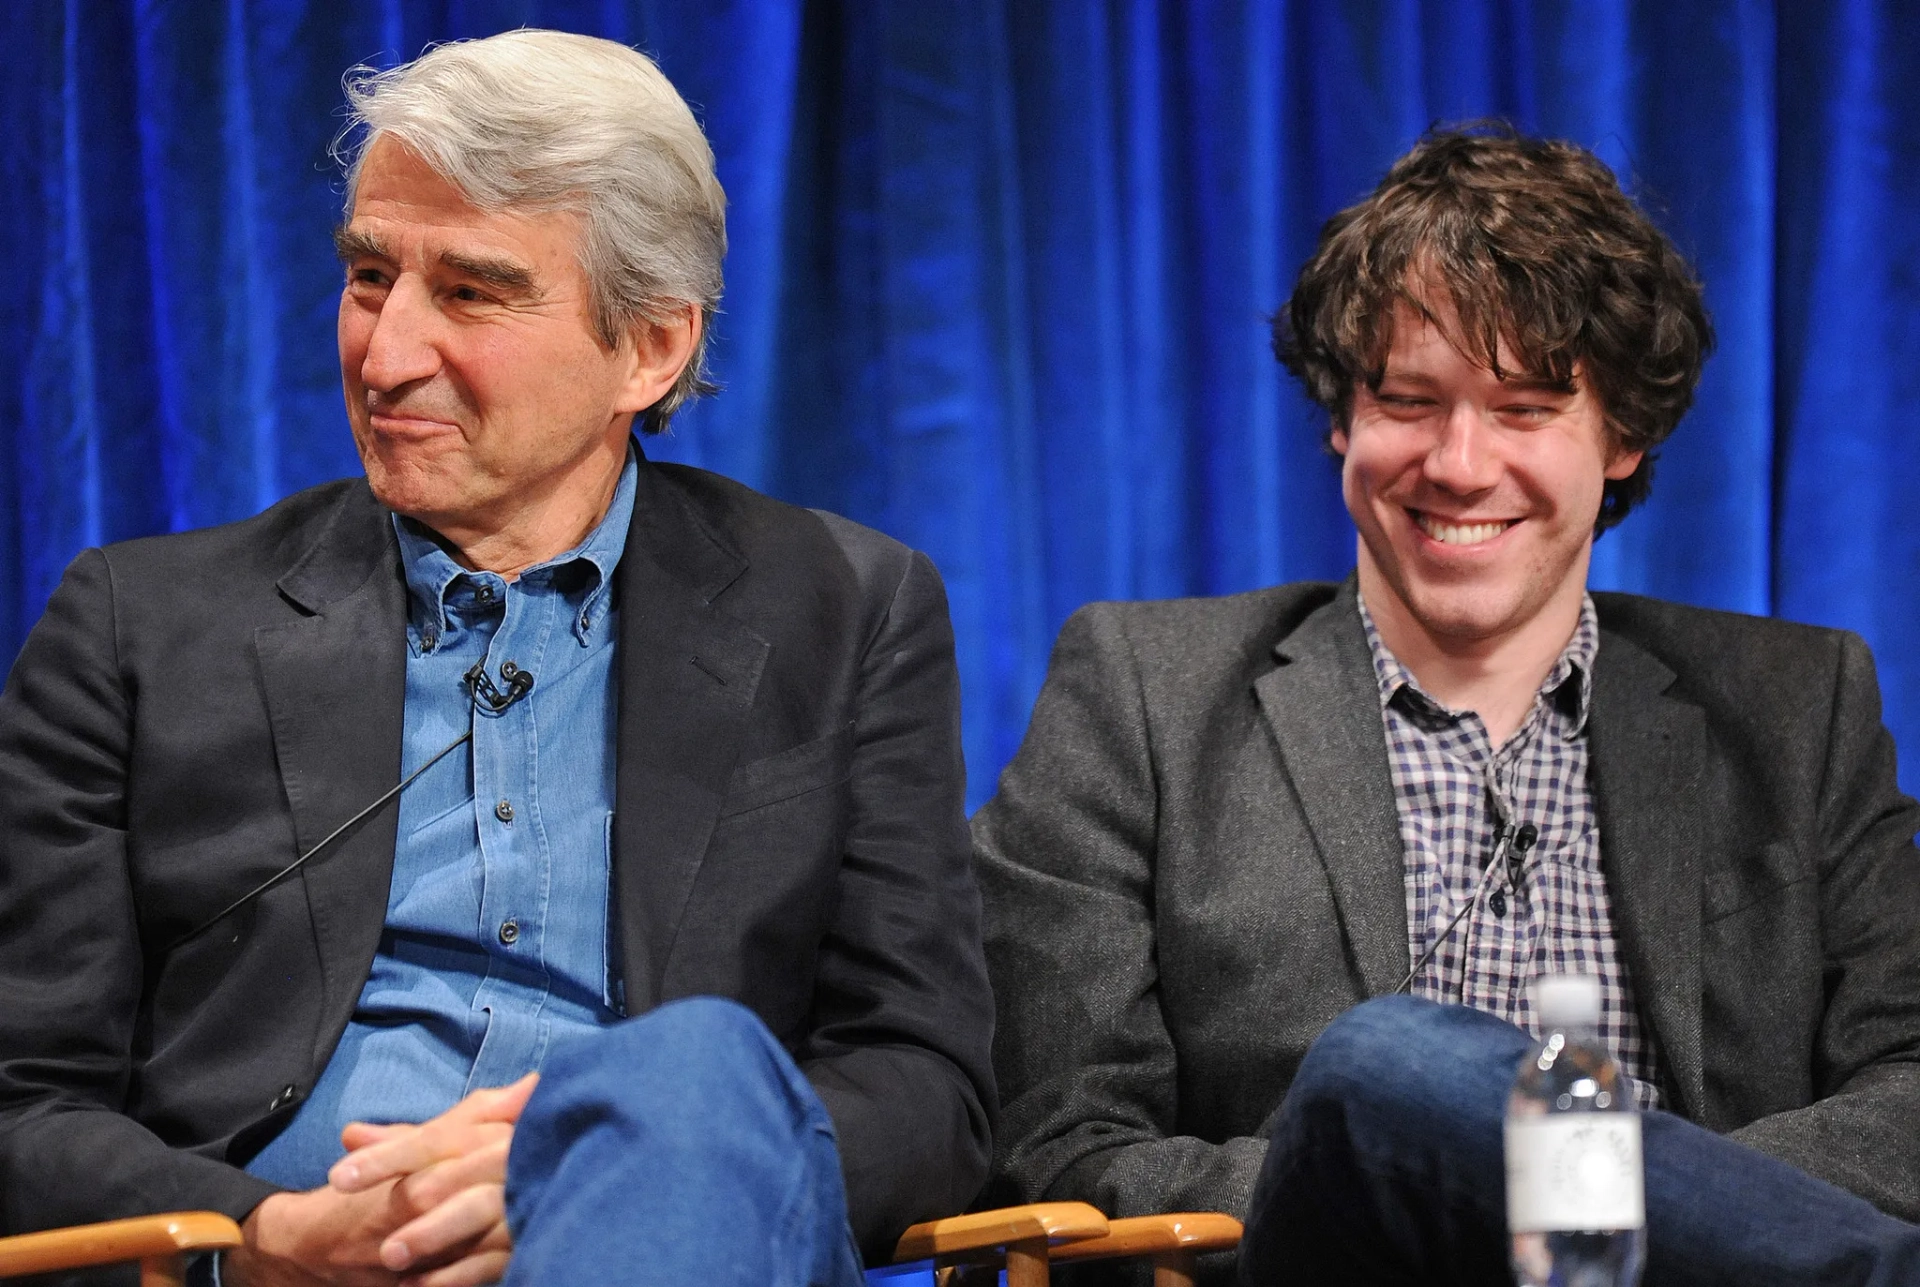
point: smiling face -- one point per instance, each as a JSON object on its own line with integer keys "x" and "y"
{"x": 482, "y": 400}
{"x": 1475, "y": 497}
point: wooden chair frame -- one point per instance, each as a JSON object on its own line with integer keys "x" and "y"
{"x": 161, "y": 1243}
{"x": 1025, "y": 1241}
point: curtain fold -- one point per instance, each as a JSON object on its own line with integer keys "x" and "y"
{"x": 1000, "y": 277}
{"x": 1846, "y": 544}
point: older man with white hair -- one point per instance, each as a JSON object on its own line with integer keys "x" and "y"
{"x": 326, "y": 835}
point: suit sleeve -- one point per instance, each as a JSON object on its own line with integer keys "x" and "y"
{"x": 70, "y": 951}
{"x": 1863, "y": 1131}
{"x": 899, "y": 1051}
{"x": 1088, "y": 1073}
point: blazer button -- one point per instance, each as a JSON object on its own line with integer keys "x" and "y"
{"x": 287, "y": 1095}
{"x": 509, "y": 934}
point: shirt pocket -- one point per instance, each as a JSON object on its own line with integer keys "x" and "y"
{"x": 448, "y": 817}
{"x": 823, "y": 762}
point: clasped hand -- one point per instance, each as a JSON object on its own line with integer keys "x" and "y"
{"x": 417, "y": 1206}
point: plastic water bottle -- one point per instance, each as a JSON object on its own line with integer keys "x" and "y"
{"x": 1576, "y": 1195}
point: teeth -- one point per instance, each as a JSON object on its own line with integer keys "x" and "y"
{"x": 1461, "y": 533}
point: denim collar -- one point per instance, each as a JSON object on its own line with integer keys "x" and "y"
{"x": 584, "y": 574}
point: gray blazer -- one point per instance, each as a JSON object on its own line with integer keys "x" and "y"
{"x": 1194, "y": 864}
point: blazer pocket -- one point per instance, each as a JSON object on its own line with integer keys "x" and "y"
{"x": 823, "y": 762}
{"x": 1778, "y": 866}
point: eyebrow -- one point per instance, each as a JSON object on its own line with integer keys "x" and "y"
{"x": 497, "y": 271}
{"x": 1539, "y": 384}
{"x": 1511, "y": 383}
{"x": 351, "y": 245}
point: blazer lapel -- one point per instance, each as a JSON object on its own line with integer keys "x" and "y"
{"x": 1646, "y": 752}
{"x": 1323, "y": 706}
{"x": 335, "y": 685}
{"x": 688, "y": 674}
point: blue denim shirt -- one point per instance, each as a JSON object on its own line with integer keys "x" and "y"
{"x": 496, "y": 939}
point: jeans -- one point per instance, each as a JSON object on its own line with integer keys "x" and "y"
{"x": 680, "y": 1147}
{"x": 1386, "y": 1166}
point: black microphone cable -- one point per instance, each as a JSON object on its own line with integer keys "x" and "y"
{"x": 483, "y": 693}
{"x": 1510, "y": 848}
{"x": 1502, "y": 837}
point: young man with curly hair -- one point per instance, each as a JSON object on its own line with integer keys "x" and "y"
{"x": 1239, "y": 826}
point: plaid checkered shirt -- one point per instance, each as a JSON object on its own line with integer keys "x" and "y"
{"x": 1452, "y": 789}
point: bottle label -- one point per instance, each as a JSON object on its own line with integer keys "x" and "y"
{"x": 1569, "y": 1171}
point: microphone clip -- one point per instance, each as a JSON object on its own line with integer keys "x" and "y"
{"x": 519, "y": 684}
{"x": 1523, "y": 841}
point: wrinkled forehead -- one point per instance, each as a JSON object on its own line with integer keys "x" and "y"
{"x": 389, "y": 158}
{"x": 405, "y": 203}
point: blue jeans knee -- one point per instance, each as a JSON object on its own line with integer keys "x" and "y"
{"x": 1399, "y": 1055}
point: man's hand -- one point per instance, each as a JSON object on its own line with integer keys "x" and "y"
{"x": 409, "y": 1206}
{"x": 452, "y": 1172}
{"x": 315, "y": 1238}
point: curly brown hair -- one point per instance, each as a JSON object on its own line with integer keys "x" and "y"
{"x": 1535, "y": 243}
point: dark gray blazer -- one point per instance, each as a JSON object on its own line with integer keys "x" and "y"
{"x": 1194, "y": 864}
{"x": 195, "y": 709}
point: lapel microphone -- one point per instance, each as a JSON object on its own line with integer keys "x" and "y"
{"x": 1510, "y": 847}
{"x": 481, "y": 692}
{"x": 1523, "y": 841}
{"x": 519, "y": 684}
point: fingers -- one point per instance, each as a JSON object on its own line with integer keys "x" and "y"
{"x": 319, "y": 1236}
{"x": 474, "y": 1121}
{"x": 504, "y": 1104}
{"x": 471, "y": 1271}
{"x": 404, "y": 1156}
{"x": 495, "y": 1104}
{"x": 357, "y": 1135}
{"x": 472, "y": 1220}
{"x": 485, "y": 1164}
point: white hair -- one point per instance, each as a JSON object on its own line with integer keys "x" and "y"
{"x": 548, "y": 120}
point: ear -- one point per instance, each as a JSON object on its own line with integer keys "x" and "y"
{"x": 1623, "y": 464}
{"x": 657, "y": 353}
{"x": 1337, "y": 439}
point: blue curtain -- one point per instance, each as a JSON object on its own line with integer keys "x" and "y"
{"x": 1000, "y": 278}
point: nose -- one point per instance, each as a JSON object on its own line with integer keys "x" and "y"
{"x": 1463, "y": 459}
{"x": 402, "y": 347}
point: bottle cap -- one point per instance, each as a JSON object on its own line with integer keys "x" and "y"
{"x": 1566, "y": 1001}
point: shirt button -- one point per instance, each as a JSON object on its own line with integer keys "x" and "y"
{"x": 504, "y": 811}
{"x": 509, "y": 932}
{"x": 484, "y": 594}
{"x": 1498, "y": 903}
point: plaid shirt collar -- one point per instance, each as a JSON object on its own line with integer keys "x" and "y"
{"x": 1575, "y": 663}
